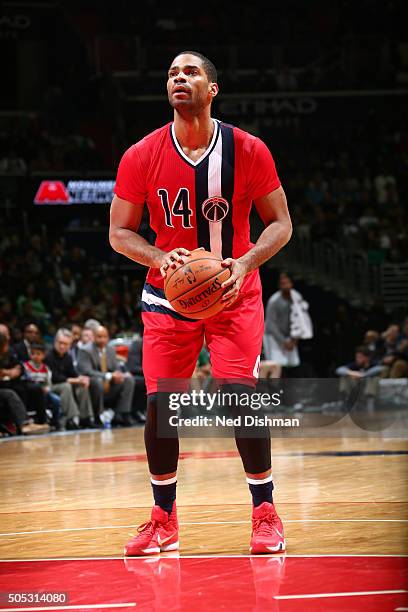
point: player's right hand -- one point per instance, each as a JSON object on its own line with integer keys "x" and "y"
{"x": 170, "y": 260}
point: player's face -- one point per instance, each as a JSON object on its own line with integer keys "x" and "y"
{"x": 188, "y": 87}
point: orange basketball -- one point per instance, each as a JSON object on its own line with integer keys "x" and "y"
{"x": 194, "y": 288}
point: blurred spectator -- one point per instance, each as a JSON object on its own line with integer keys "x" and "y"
{"x": 77, "y": 261}
{"x": 134, "y": 366}
{"x": 362, "y": 368}
{"x": 383, "y": 184}
{"x": 31, "y": 334}
{"x": 10, "y": 368}
{"x": 87, "y": 337}
{"x": 12, "y": 164}
{"x": 4, "y": 331}
{"x": 40, "y": 376}
{"x": 31, "y": 299}
{"x": 76, "y": 331}
{"x": 67, "y": 285}
{"x": 100, "y": 363}
{"x": 53, "y": 297}
{"x": 286, "y": 322}
{"x": 13, "y": 410}
{"x": 203, "y": 369}
{"x": 390, "y": 340}
{"x": 375, "y": 344}
{"x": 399, "y": 367}
{"x": 11, "y": 378}
{"x": 126, "y": 310}
{"x": 92, "y": 324}
{"x": 73, "y": 389}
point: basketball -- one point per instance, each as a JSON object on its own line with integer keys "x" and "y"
{"x": 194, "y": 288}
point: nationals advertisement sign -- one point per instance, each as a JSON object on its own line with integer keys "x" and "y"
{"x": 75, "y": 192}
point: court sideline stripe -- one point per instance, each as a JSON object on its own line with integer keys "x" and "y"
{"x": 248, "y": 556}
{"x": 74, "y": 607}
{"x": 67, "y": 529}
{"x": 345, "y": 594}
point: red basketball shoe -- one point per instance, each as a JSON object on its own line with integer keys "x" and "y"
{"x": 157, "y": 535}
{"x": 267, "y": 530}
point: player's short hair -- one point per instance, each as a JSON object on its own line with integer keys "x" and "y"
{"x": 209, "y": 68}
{"x": 37, "y": 346}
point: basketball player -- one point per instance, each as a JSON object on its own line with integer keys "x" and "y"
{"x": 199, "y": 178}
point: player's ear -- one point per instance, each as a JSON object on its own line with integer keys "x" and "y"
{"x": 213, "y": 89}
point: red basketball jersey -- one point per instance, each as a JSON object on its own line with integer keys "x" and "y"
{"x": 205, "y": 203}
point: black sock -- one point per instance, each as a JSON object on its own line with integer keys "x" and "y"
{"x": 261, "y": 492}
{"x": 164, "y": 495}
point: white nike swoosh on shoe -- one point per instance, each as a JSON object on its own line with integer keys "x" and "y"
{"x": 150, "y": 551}
{"x": 161, "y": 542}
{"x": 280, "y": 546}
{"x": 170, "y": 547}
{"x": 279, "y": 533}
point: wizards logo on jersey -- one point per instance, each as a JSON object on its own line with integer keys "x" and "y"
{"x": 215, "y": 209}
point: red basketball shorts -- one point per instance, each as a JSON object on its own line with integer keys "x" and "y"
{"x": 172, "y": 343}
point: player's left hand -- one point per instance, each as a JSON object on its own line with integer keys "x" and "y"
{"x": 233, "y": 284}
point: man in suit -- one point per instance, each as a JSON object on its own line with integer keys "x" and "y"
{"x": 134, "y": 365}
{"x": 115, "y": 388}
{"x": 31, "y": 334}
{"x": 76, "y": 331}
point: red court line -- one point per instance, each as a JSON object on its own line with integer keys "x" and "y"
{"x": 185, "y": 455}
{"x": 182, "y": 455}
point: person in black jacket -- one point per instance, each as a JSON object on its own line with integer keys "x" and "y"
{"x": 72, "y": 388}
{"x": 11, "y": 377}
{"x": 31, "y": 334}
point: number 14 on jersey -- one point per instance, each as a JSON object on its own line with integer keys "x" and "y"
{"x": 180, "y": 206}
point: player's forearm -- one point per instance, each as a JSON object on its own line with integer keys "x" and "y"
{"x": 135, "y": 247}
{"x": 270, "y": 242}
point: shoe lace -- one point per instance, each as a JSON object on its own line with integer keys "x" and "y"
{"x": 265, "y": 525}
{"x": 149, "y": 525}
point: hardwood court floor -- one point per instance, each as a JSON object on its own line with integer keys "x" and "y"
{"x": 83, "y": 495}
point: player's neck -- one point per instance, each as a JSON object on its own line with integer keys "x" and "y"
{"x": 195, "y": 132}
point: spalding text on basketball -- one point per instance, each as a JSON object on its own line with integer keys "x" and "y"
{"x": 215, "y": 286}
